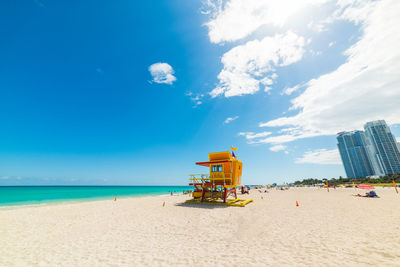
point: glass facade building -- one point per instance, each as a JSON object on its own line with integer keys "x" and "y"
{"x": 374, "y": 152}
{"x": 355, "y": 156}
{"x": 385, "y": 146}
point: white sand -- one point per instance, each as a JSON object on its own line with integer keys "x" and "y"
{"x": 327, "y": 229}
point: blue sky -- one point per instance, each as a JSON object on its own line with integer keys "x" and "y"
{"x": 134, "y": 92}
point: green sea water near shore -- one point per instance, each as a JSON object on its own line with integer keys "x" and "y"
{"x": 27, "y": 195}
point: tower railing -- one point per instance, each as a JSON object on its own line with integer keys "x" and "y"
{"x": 206, "y": 180}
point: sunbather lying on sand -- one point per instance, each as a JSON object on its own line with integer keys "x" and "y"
{"x": 368, "y": 194}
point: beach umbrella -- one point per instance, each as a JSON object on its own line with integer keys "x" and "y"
{"x": 365, "y": 186}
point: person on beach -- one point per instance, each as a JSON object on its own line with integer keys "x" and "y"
{"x": 244, "y": 191}
{"x": 368, "y": 194}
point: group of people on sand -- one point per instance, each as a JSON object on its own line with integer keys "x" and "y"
{"x": 184, "y": 192}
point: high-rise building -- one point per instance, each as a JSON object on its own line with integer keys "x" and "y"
{"x": 374, "y": 157}
{"x": 373, "y": 152}
{"x": 355, "y": 156}
{"x": 384, "y": 146}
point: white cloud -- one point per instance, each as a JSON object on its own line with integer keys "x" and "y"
{"x": 252, "y": 135}
{"x": 277, "y": 148}
{"x": 228, "y": 120}
{"x": 248, "y": 66}
{"x": 279, "y": 139}
{"x": 237, "y": 19}
{"x": 320, "y": 156}
{"x": 290, "y": 90}
{"x": 4, "y": 178}
{"x": 318, "y": 27}
{"x": 162, "y": 73}
{"x": 364, "y": 88}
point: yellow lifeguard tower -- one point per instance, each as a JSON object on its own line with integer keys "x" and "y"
{"x": 223, "y": 180}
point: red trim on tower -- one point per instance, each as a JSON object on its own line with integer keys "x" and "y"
{"x": 207, "y": 163}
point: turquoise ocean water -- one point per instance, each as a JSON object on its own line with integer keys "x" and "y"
{"x": 26, "y": 195}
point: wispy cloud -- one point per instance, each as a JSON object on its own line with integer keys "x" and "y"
{"x": 290, "y": 90}
{"x": 318, "y": 27}
{"x": 285, "y": 138}
{"x": 252, "y": 135}
{"x": 228, "y": 120}
{"x": 162, "y": 73}
{"x": 277, "y": 148}
{"x": 320, "y": 156}
{"x": 11, "y": 178}
{"x": 314, "y": 52}
{"x": 195, "y": 98}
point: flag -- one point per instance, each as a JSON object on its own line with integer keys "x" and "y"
{"x": 233, "y": 155}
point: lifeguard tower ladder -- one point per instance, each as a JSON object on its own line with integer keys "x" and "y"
{"x": 225, "y": 176}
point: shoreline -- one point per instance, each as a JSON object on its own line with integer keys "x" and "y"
{"x": 79, "y": 200}
{"x": 11, "y": 196}
{"x": 111, "y": 198}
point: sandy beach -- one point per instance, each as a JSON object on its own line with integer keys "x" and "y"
{"x": 327, "y": 229}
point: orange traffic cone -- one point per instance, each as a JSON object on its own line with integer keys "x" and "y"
{"x": 297, "y": 203}
{"x": 115, "y": 198}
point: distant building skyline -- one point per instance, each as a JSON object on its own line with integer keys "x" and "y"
{"x": 373, "y": 152}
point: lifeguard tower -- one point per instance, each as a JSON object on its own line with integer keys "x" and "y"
{"x": 222, "y": 181}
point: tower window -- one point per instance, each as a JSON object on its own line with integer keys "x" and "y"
{"x": 216, "y": 168}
